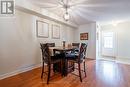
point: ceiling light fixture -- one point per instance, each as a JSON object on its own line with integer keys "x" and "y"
{"x": 66, "y": 6}
{"x": 66, "y": 16}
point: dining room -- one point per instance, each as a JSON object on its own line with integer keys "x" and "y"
{"x": 22, "y": 40}
{"x": 50, "y": 43}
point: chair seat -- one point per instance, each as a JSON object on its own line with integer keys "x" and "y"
{"x": 54, "y": 59}
{"x": 72, "y": 56}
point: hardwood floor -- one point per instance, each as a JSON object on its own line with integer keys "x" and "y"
{"x": 99, "y": 74}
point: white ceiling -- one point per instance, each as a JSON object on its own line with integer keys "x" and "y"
{"x": 85, "y": 11}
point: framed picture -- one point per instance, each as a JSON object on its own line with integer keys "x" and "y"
{"x": 42, "y": 29}
{"x": 83, "y": 36}
{"x": 56, "y": 31}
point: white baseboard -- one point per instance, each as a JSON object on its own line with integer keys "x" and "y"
{"x": 123, "y": 60}
{"x": 28, "y": 68}
{"x": 117, "y": 59}
{"x": 21, "y": 70}
{"x": 90, "y": 58}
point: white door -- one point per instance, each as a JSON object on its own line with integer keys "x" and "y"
{"x": 108, "y": 43}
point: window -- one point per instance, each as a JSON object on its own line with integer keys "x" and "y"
{"x": 108, "y": 39}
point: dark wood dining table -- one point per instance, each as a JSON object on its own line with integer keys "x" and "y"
{"x": 63, "y": 51}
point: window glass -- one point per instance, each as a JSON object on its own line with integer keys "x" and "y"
{"x": 108, "y": 39}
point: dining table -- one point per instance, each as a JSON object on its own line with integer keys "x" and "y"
{"x": 62, "y": 51}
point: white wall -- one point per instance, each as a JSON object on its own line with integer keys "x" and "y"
{"x": 19, "y": 46}
{"x": 91, "y": 29}
{"x": 122, "y": 31}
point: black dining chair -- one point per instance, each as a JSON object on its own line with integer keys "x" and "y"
{"x": 58, "y": 55}
{"x": 78, "y": 58}
{"x": 46, "y": 58}
{"x": 51, "y": 44}
{"x": 77, "y": 47}
{"x": 76, "y": 44}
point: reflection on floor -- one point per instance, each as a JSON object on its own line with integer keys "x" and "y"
{"x": 100, "y": 73}
{"x": 108, "y": 58}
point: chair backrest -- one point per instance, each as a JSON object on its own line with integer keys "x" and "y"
{"x": 82, "y": 52}
{"x": 45, "y": 53}
{"x": 51, "y": 44}
{"x": 76, "y": 44}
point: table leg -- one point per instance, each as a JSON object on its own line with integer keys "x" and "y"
{"x": 64, "y": 65}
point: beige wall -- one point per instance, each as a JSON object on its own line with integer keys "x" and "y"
{"x": 91, "y": 29}
{"x": 19, "y": 46}
{"x": 65, "y": 32}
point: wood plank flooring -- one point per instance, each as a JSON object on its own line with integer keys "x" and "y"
{"x": 99, "y": 74}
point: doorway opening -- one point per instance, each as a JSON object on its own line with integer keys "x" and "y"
{"x": 106, "y": 47}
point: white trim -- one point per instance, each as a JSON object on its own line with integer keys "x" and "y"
{"x": 123, "y": 60}
{"x": 90, "y": 58}
{"x": 21, "y": 70}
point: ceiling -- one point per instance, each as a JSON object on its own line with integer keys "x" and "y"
{"x": 86, "y": 11}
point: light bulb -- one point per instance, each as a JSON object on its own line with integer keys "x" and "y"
{"x": 66, "y": 16}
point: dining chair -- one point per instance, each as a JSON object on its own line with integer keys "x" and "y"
{"x": 46, "y": 58}
{"x": 76, "y": 51}
{"x": 76, "y": 44}
{"x": 77, "y": 47}
{"x": 51, "y": 44}
{"x": 78, "y": 58}
{"x": 57, "y": 54}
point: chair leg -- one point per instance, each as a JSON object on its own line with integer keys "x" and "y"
{"x": 73, "y": 66}
{"x": 84, "y": 69}
{"x": 80, "y": 72}
{"x": 42, "y": 70}
{"x": 65, "y": 67}
{"x": 49, "y": 70}
{"x": 60, "y": 66}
